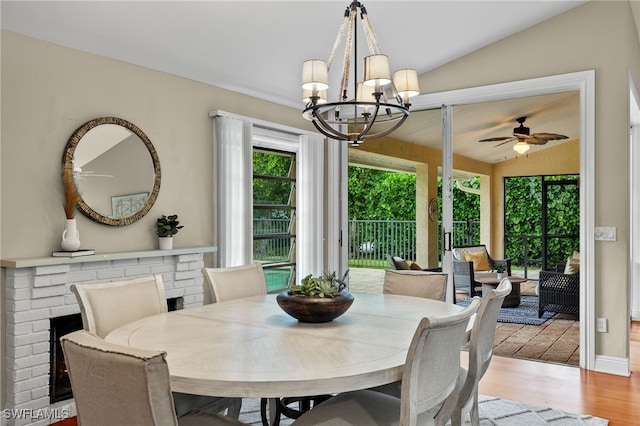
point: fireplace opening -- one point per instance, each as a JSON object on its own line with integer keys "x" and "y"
{"x": 59, "y": 384}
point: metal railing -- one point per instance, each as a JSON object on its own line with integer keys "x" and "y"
{"x": 369, "y": 240}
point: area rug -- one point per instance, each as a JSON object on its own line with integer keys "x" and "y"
{"x": 526, "y": 313}
{"x": 493, "y": 411}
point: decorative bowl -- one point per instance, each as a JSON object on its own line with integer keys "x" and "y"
{"x": 314, "y": 309}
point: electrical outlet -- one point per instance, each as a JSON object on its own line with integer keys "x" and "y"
{"x": 602, "y": 325}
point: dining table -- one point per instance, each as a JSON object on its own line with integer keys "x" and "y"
{"x": 249, "y": 347}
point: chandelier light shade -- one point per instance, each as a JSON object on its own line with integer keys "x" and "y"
{"x": 521, "y": 147}
{"x": 372, "y": 105}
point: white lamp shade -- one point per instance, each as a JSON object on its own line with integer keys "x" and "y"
{"x": 315, "y": 75}
{"x": 376, "y": 70}
{"x": 365, "y": 93}
{"x": 321, "y": 94}
{"x": 521, "y": 147}
{"x": 406, "y": 82}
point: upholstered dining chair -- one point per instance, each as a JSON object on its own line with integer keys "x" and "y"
{"x": 430, "y": 377}
{"x": 430, "y": 285}
{"x": 105, "y": 307}
{"x": 115, "y": 385}
{"x": 481, "y": 343}
{"x": 222, "y": 284}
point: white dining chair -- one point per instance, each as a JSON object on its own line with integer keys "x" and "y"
{"x": 429, "y": 377}
{"x": 481, "y": 343}
{"x": 222, "y": 284}
{"x": 105, "y": 307}
{"x": 114, "y": 385}
{"x": 430, "y": 285}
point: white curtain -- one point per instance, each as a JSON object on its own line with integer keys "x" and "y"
{"x": 233, "y": 191}
{"x": 310, "y": 206}
{"x": 234, "y": 137}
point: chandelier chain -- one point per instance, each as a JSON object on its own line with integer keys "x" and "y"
{"x": 372, "y": 41}
{"x": 346, "y": 67}
{"x": 338, "y": 41}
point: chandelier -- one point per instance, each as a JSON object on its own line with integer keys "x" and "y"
{"x": 377, "y": 104}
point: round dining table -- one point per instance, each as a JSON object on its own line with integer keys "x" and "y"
{"x": 249, "y": 347}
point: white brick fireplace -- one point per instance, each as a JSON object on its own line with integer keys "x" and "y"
{"x": 37, "y": 290}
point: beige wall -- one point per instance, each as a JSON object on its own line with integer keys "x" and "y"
{"x": 601, "y": 36}
{"x": 48, "y": 91}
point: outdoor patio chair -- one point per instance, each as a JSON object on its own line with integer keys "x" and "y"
{"x": 116, "y": 385}
{"x": 470, "y": 262}
{"x": 558, "y": 292}
{"x": 105, "y": 307}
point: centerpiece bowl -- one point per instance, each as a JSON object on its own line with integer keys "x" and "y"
{"x": 316, "y": 299}
{"x": 314, "y": 309}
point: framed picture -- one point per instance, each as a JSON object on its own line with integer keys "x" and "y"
{"x": 128, "y": 205}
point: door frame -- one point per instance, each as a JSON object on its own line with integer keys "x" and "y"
{"x": 584, "y": 83}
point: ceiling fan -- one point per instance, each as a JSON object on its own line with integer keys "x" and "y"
{"x": 524, "y": 138}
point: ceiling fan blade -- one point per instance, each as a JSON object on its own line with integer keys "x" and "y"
{"x": 536, "y": 141}
{"x": 504, "y": 138}
{"x": 507, "y": 141}
{"x": 549, "y": 136}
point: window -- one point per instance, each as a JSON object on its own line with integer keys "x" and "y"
{"x": 274, "y": 215}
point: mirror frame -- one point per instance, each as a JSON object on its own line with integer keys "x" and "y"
{"x": 67, "y": 170}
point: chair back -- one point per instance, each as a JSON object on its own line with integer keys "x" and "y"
{"x": 481, "y": 344}
{"x": 105, "y": 307}
{"x": 114, "y": 385}
{"x": 430, "y": 285}
{"x": 432, "y": 367}
{"x": 484, "y": 328}
{"x": 222, "y": 284}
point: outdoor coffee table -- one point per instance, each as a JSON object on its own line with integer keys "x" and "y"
{"x": 491, "y": 282}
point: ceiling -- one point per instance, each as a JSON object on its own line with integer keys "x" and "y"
{"x": 257, "y": 48}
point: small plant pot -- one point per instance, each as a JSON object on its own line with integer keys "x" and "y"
{"x": 165, "y": 243}
{"x": 500, "y": 275}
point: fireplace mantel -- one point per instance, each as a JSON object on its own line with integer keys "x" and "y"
{"x": 29, "y": 262}
{"x": 37, "y": 290}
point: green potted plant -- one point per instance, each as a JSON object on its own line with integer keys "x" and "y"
{"x": 317, "y": 299}
{"x": 500, "y": 269}
{"x": 166, "y": 228}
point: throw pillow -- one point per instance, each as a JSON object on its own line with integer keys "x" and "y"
{"x": 400, "y": 263}
{"x": 572, "y": 266}
{"x": 479, "y": 259}
{"x": 414, "y": 266}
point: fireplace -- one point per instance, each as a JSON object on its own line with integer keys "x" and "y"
{"x": 59, "y": 384}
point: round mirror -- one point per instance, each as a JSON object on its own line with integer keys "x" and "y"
{"x": 115, "y": 169}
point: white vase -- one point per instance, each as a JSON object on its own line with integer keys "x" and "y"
{"x": 165, "y": 243}
{"x": 70, "y": 236}
{"x": 500, "y": 275}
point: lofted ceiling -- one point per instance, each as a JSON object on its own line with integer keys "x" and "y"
{"x": 257, "y": 48}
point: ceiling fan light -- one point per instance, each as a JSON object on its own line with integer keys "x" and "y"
{"x": 521, "y": 147}
{"x": 315, "y": 75}
{"x": 376, "y": 70}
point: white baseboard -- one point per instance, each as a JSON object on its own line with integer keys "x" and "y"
{"x": 612, "y": 365}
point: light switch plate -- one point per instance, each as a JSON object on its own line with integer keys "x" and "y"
{"x": 605, "y": 233}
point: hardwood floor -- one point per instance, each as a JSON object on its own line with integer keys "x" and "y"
{"x": 568, "y": 388}
{"x": 564, "y": 387}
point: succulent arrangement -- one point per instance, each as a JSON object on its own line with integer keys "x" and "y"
{"x": 500, "y": 267}
{"x": 168, "y": 226}
{"x": 324, "y": 286}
